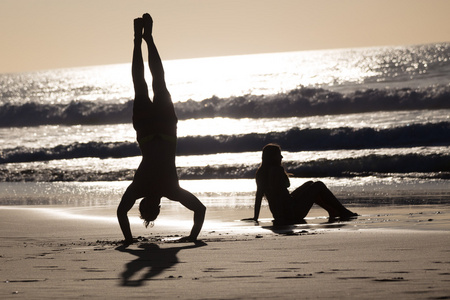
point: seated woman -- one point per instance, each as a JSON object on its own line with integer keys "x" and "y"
{"x": 156, "y": 129}
{"x": 291, "y": 208}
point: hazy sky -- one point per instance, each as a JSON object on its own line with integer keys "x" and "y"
{"x": 47, "y": 34}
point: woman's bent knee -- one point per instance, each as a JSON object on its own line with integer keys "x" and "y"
{"x": 319, "y": 184}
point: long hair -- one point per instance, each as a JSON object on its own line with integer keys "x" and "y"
{"x": 149, "y": 209}
{"x": 271, "y": 157}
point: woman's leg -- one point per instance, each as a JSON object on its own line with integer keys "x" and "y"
{"x": 302, "y": 201}
{"x": 317, "y": 192}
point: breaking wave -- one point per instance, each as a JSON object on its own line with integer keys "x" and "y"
{"x": 430, "y": 166}
{"x": 431, "y": 134}
{"x": 296, "y": 103}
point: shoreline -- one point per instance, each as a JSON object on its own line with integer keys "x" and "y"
{"x": 362, "y": 192}
{"x": 174, "y": 216}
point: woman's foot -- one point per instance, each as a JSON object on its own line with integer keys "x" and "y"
{"x": 138, "y": 27}
{"x": 347, "y": 215}
{"x": 148, "y": 26}
{"x": 344, "y": 215}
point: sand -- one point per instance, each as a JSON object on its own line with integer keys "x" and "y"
{"x": 390, "y": 252}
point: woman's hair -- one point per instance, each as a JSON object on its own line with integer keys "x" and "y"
{"x": 271, "y": 154}
{"x": 149, "y": 209}
{"x": 271, "y": 157}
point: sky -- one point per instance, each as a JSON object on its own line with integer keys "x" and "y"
{"x": 49, "y": 34}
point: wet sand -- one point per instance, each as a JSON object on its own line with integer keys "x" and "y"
{"x": 394, "y": 252}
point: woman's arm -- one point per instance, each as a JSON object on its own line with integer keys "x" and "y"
{"x": 258, "y": 200}
{"x": 278, "y": 179}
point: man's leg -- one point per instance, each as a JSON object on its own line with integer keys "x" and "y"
{"x": 154, "y": 60}
{"x": 162, "y": 97}
{"x": 137, "y": 66}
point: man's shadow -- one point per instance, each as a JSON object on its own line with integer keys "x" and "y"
{"x": 154, "y": 258}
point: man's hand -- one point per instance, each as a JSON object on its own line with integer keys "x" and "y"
{"x": 187, "y": 239}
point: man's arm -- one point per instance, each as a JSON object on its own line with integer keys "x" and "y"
{"x": 122, "y": 215}
{"x": 191, "y": 202}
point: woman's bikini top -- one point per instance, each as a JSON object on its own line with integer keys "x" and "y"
{"x": 145, "y": 139}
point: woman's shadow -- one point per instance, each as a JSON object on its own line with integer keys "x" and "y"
{"x": 154, "y": 258}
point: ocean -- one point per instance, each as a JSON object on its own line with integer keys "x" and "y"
{"x": 371, "y": 123}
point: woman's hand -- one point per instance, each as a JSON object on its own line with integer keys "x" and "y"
{"x": 250, "y": 220}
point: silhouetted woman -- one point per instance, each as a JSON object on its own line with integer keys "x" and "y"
{"x": 156, "y": 129}
{"x": 273, "y": 182}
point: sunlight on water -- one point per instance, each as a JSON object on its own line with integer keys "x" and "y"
{"x": 92, "y": 164}
{"x": 202, "y": 78}
{"x": 53, "y": 135}
{"x": 408, "y": 144}
{"x": 217, "y": 186}
{"x": 369, "y": 190}
{"x": 259, "y": 74}
{"x": 199, "y": 78}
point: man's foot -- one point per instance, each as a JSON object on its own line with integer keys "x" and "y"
{"x": 138, "y": 27}
{"x": 148, "y": 26}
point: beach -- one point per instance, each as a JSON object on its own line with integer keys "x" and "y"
{"x": 395, "y": 252}
{"x": 372, "y": 124}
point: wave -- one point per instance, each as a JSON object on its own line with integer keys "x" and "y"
{"x": 410, "y": 165}
{"x": 294, "y": 140}
{"x": 435, "y": 166}
{"x": 74, "y": 113}
{"x": 422, "y": 166}
{"x": 296, "y": 103}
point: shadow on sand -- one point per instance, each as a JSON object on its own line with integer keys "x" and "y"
{"x": 150, "y": 256}
{"x": 301, "y": 228}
